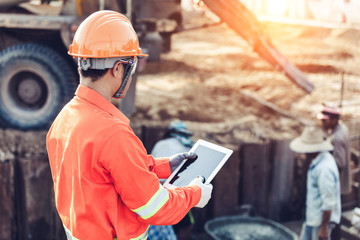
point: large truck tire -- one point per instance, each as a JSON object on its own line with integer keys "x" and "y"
{"x": 35, "y": 83}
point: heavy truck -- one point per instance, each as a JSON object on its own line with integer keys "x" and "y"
{"x": 37, "y": 77}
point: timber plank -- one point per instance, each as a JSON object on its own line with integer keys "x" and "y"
{"x": 39, "y": 208}
{"x": 255, "y": 176}
{"x": 7, "y": 208}
{"x": 282, "y": 177}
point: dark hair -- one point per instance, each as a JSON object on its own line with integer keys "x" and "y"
{"x": 94, "y": 74}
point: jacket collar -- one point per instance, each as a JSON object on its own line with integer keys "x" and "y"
{"x": 100, "y": 101}
{"x": 319, "y": 158}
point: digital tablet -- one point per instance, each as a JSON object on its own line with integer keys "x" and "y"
{"x": 211, "y": 158}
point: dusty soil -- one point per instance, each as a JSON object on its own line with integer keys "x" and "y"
{"x": 207, "y": 77}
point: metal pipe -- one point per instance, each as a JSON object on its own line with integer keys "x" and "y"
{"x": 128, "y": 9}
{"x": 342, "y": 90}
{"x": 101, "y": 4}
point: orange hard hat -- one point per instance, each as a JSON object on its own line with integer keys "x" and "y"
{"x": 105, "y": 34}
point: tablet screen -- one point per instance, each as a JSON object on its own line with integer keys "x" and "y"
{"x": 208, "y": 160}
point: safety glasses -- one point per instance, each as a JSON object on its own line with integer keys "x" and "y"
{"x": 129, "y": 69}
{"x": 129, "y": 65}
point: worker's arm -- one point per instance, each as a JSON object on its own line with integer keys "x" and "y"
{"x": 163, "y": 167}
{"x": 323, "y": 233}
{"x": 339, "y": 153}
{"x": 327, "y": 187}
{"x": 159, "y": 166}
{"x": 126, "y": 160}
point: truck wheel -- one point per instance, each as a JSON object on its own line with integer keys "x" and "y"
{"x": 35, "y": 83}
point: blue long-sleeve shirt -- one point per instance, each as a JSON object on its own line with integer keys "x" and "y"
{"x": 323, "y": 190}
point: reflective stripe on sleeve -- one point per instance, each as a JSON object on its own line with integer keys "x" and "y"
{"x": 154, "y": 204}
{"x": 69, "y": 235}
{"x": 142, "y": 236}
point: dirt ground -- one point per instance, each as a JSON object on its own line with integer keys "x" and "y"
{"x": 211, "y": 77}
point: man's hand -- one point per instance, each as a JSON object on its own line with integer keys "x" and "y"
{"x": 323, "y": 233}
{"x": 206, "y": 190}
{"x": 175, "y": 160}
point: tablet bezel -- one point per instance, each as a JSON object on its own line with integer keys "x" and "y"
{"x": 207, "y": 144}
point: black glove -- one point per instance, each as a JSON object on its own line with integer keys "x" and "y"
{"x": 175, "y": 160}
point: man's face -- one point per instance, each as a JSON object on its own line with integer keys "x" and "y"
{"x": 328, "y": 123}
{"x": 311, "y": 156}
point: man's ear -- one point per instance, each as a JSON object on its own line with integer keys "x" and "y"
{"x": 117, "y": 70}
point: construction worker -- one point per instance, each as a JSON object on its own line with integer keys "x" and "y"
{"x": 106, "y": 186}
{"x": 323, "y": 203}
{"x": 329, "y": 117}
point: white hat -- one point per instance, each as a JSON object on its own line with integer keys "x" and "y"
{"x": 312, "y": 140}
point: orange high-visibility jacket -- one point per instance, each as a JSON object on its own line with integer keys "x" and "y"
{"x": 106, "y": 186}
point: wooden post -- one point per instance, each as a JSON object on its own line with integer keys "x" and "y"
{"x": 255, "y": 176}
{"x": 27, "y": 209}
{"x": 7, "y": 207}
{"x": 42, "y": 220}
{"x": 281, "y": 184}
